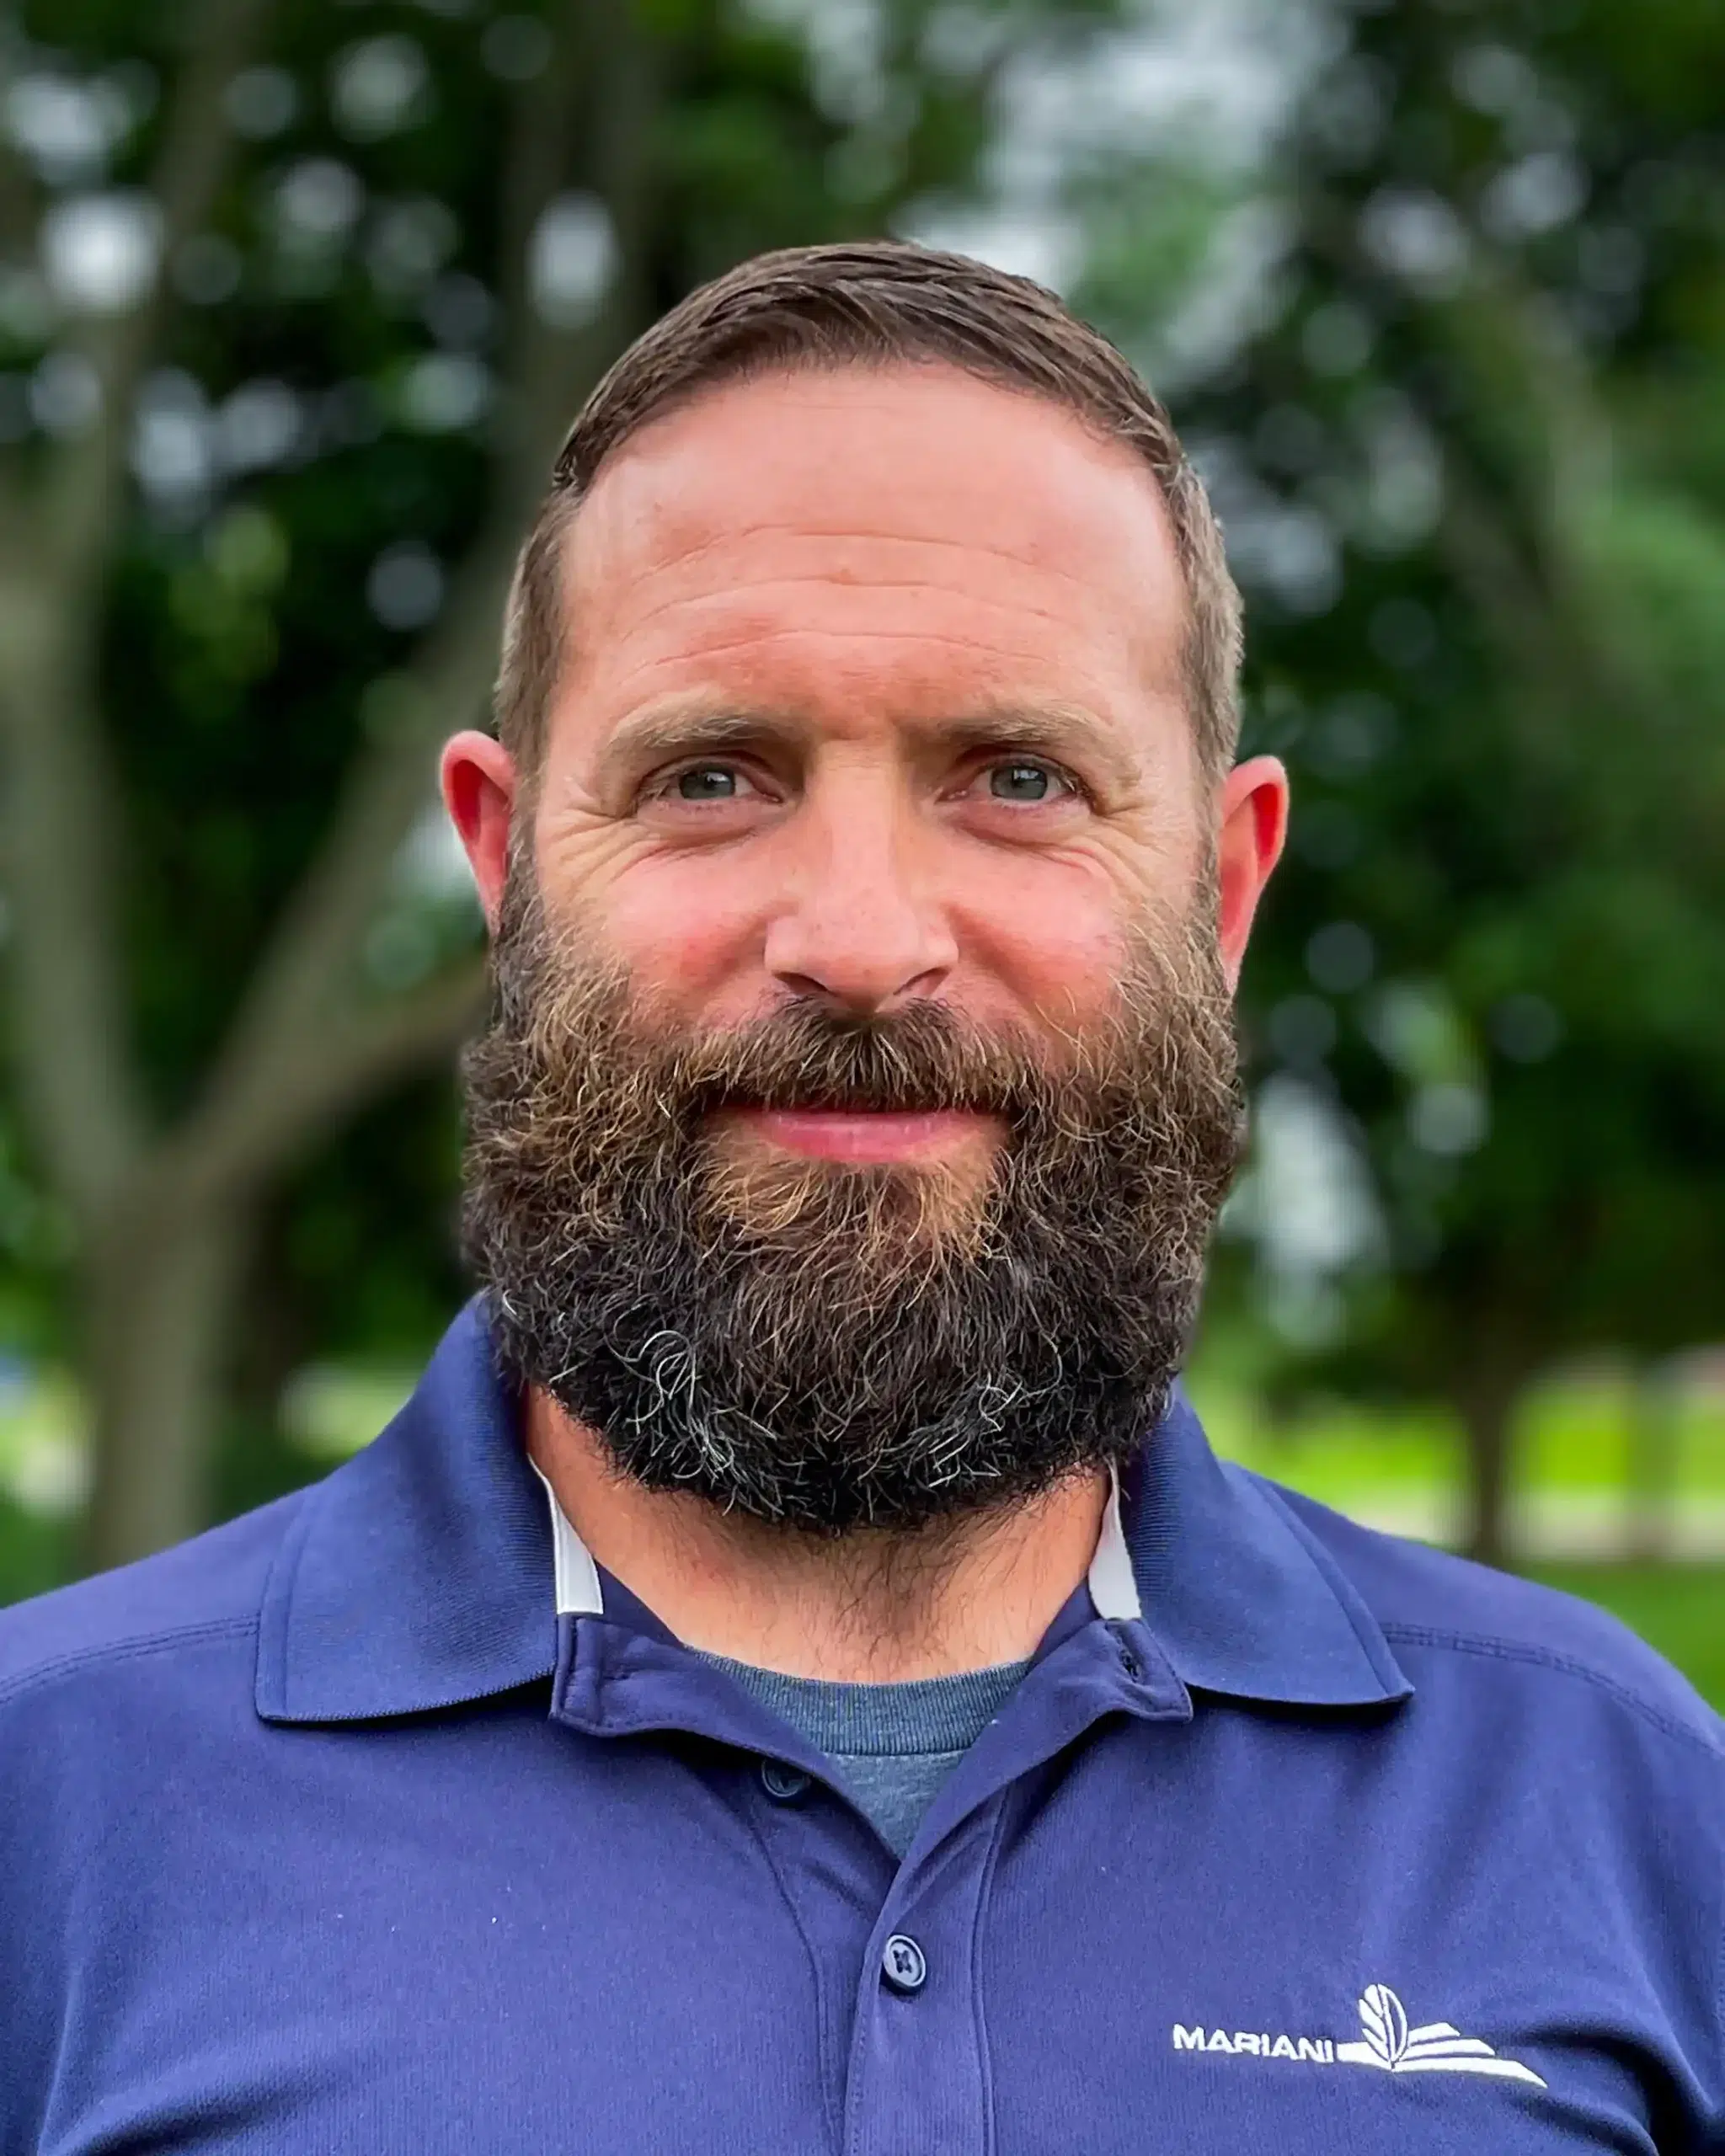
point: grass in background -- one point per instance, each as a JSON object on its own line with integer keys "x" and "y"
{"x": 1572, "y": 1437}
{"x": 1678, "y": 1609}
{"x": 36, "y": 1553}
{"x": 1573, "y": 1440}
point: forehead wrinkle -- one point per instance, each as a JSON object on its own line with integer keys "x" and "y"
{"x": 791, "y": 630}
{"x": 743, "y": 589}
{"x": 1036, "y": 563}
{"x": 1158, "y": 599}
{"x": 740, "y": 594}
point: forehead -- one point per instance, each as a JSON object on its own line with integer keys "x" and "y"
{"x": 909, "y": 525}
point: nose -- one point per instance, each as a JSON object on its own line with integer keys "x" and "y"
{"x": 859, "y": 926}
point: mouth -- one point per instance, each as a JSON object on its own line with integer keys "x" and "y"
{"x": 866, "y": 1137}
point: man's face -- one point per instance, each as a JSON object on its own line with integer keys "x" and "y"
{"x": 871, "y": 755}
{"x": 874, "y": 693}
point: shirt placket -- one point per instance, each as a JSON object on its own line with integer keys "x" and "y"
{"x": 894, "y": 1950}
{"x": 918, "y": 2075}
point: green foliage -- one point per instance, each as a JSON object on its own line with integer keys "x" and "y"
{"x": 36, "y": 1553}
{"x": 1484, "y": 571}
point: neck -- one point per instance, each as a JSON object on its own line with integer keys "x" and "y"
{"x": 874, "y": 1607}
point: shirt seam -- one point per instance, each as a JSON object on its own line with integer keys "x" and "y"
{"x": 825, "y": 2035}
{"x": 1719, "y": 2001}
{"x": 985, "y": 1891}
{"x": 1719, "y": 2012}
{"x": 276, "y": 1614}
{"x": 43, "y": 1674}
{"x": 1566, "y": 1665}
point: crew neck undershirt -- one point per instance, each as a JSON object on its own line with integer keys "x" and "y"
{"x": 893, "y": 1745}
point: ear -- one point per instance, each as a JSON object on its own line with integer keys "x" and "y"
{"x": 478, "y": 779}
{"x": 1253, "y": 824}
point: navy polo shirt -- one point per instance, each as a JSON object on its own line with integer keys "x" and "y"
{"x": 328, "y": 1832}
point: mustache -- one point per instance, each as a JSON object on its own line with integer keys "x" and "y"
{"x": 573, "y": 1020}
{"x": 922, "y": 1058}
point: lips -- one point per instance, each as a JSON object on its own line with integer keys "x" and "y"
{"x": 864, "y": 1135}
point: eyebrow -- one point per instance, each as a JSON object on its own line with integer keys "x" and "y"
{"x": 1065, "y": 732}
{"x": 684, "y": 726}
{"x": 688, "y": 725}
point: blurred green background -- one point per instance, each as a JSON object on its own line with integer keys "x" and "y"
{"x": 296, "y": 302}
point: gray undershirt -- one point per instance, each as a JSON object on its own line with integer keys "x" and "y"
{"x": 893, "y": 1744}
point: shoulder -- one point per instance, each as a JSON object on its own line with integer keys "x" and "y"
{"x": 205, "y": 1590}
{"x": 1439, "y": 1608}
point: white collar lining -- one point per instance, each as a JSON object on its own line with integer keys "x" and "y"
{"x": 1114, "y": 1588}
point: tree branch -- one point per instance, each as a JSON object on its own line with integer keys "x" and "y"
{"x": 19, "y": 194}
{"x": 54, "y": 813}
{"x": 59, "y": 801}
{"x": 243, "y": 1140}
{"x": 302, "y": 983}
{"x": 191, "y": 163}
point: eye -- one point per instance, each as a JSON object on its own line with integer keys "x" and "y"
{"x": 1021, "y": 781}
{"x": 705, "y": 783}
{"x": 699, "y": 783}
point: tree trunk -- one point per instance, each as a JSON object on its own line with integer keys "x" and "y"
{"x": 163, "y": 1295}
{"x": 1655, "y": 1449}
{"x": 1487, "y": 1406}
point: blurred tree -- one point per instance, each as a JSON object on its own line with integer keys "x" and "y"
{"x": 295, "y": 304}
{"x": 1470, "y": 452}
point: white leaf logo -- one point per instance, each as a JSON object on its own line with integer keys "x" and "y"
{"x": 1383, "y": 2020}
{"x": 1386, "y": 2045}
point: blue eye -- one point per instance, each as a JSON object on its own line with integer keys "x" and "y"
{"x": 1021, "y": 783}
{"x": 706, "y": 782}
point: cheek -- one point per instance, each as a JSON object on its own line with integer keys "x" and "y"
{"x": 688, "y": 926}
{"x": 689, "y": 930}
{"x": 1048, "y": 937}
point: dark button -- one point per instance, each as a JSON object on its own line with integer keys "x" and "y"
{"x": 785, "y": 1783}
{"x": 1129, "y": 1662}
{"x": 903, "y": 1964}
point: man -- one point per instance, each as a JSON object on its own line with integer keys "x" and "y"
{"x": 795, "y": 1676}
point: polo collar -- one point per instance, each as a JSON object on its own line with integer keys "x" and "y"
{"x": 428, "y": 1571}
{"x": 1240, "y": 1596}
{"x": 417, "y": 1575}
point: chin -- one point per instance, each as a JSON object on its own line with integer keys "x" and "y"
{"x": 934, "y": 1200}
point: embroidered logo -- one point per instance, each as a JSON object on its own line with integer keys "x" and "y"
{"x": 1386, "y": 2043}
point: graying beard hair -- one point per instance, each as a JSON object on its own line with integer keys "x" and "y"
{"x": 869, "y": 1347}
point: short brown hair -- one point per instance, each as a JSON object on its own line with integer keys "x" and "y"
{"x": 872, "y": 302}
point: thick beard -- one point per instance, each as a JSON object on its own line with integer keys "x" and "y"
{"x": 830, "y": 1348}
